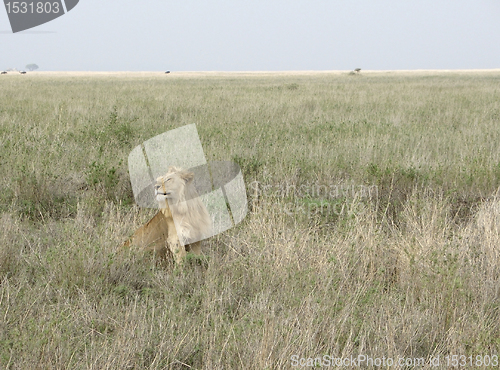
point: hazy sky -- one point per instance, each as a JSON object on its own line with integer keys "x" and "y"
{"x": 267, "y": 35}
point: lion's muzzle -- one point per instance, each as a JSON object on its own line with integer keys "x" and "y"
{"x": 157, "y": 191}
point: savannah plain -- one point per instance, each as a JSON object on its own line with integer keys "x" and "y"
{"x": 320, "y": 266}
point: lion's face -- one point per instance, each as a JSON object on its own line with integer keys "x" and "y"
{"x": 171, "y": 186}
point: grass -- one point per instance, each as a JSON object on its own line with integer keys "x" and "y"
{"x": 319, "y": 266}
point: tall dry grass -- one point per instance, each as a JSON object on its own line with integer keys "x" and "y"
{"x": 410, "y": 271}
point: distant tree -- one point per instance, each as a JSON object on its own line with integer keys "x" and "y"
{"x": 31, "y": 67}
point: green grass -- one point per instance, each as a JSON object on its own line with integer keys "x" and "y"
{"x": 410, "y": 271}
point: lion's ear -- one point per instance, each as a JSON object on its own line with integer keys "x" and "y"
{"x": 172, "y": 169}
{"x": 186, "y": 176}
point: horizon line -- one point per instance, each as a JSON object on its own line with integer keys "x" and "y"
{"x": 277, "y": 71}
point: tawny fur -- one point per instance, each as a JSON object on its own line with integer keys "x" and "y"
{"x": 182, "y": 220}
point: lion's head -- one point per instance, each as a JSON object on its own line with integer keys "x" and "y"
{"x": 173, "y": 186}
{"x": 178, "y": 198}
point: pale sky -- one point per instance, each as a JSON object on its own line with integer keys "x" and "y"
{"x": 260, "y": 35}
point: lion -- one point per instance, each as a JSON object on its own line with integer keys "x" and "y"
{"x": 182, "y": 221}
